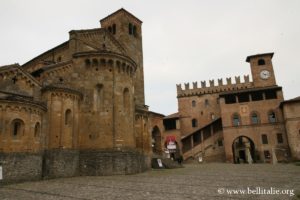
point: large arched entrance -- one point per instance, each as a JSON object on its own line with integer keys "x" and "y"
{"x": 156, "y": 140}
{"x": 243, "y": 150}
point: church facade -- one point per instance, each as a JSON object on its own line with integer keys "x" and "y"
{"x": 79, "y": 108}
{"x": 240, "y": 121}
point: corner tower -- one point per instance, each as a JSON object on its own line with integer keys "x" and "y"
{"x": 262, "y": 69}
{"x": 127, "y": 29}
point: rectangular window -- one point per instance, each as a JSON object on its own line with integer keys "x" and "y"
{"x": 271, "y": 94}
{"x": 243, "y": 97}
{"x": 264, "y": 139}
{"x": 257, "y": 96}
{"x": 230, "y": 99}
{"x": 279, "y": 138}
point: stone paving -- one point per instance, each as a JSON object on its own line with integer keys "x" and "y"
{"x": 194, "y": 181}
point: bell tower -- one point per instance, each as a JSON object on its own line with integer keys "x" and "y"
{"x": 262, "y": 70}
{"x": 127, "y": 29}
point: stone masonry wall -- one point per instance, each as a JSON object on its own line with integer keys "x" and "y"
{"x": 17, "y": 167}
{"x": 112, "y": 162}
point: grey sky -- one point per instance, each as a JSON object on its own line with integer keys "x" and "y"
{"x": 183, "y": 41}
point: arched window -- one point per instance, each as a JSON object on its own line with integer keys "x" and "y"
{"x": 114, "y": 29}
{"x": 17, "y": 127}
{"x": 130, "y": 31}
{"x": 68, "y": 117}
{"x": 193, "y": 103}
{"x": 87, "y": 63}
{"x": 236, "y": 120}
{"x": 37, "y": 129}
{"x": 272, "y": 117}
{"x": 261, "y": 62}
{"x": 126, "y": 100}
{"x": 194, "y": 123}
{"x": 254, "y": 118}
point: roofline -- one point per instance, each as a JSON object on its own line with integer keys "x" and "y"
{"x": 258, "y": 55}
{"x": 58, "y": 46}
{"x": 121, "y": 9}
{"x": 297, "y": 99}
{"x": 155, "y": 113}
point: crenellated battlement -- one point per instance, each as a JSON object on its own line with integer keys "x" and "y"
{"x": 213, "y": 86}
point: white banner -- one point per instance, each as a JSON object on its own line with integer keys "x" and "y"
{"x": 1, "y": 177}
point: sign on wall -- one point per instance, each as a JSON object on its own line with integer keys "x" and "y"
{"x": 1, "y": 177}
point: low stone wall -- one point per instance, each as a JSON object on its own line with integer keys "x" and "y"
{"x": 112, "y": 162}
{"x": 56, "y": 163}
{"x": 60, "y": 163}
{"x": 17, "y": 167}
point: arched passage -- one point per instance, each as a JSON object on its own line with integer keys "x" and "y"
{"x": 156, "y": 140}
{"x": 243, "y": 150}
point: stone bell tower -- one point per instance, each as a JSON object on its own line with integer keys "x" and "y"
{"x": 127, "y": 29}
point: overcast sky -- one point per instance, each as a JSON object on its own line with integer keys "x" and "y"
{"x": 183, "y": 41}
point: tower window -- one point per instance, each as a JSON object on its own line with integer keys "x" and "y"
{"x": 114, "y": 28}
{"x": 130, "y": 29}
{"x": 261, "y": 62}
{"x": 134, "y": 31}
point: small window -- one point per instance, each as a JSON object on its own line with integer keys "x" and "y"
{"x": 194, "y": 123}
{"x": 267, "y": 154}
{"x": 130, "y": 29}
{"x": 17, "y": 126}
{"x": 254, "y": 118}
{"x": 110, "y": 29}
{"x": 68, "y": 117}
{"x": 261, "y": 62}
{"x": 206, "y": 102}
{"x": 114, "y": 29}
{"x": 272, "y": 117}
{"x": 236, "y": 120}
{"x": 279, "y": 138}
{"x": 59, "y": 59}
{"x": 134, "y": 31}
{"x": 37, "y": 129}
{"x": 193, "y": 103}
{"x": 264, "y": 139}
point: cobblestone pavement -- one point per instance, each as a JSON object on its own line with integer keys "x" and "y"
{"x": 194, "y": 181}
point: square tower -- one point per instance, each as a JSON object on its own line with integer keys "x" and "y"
{"x": 262, "y": 70}
{"x": 127, "y": 29}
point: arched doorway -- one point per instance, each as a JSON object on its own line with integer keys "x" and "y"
{"x": 156, "y": 140}
{"x": 243, "y": 150}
